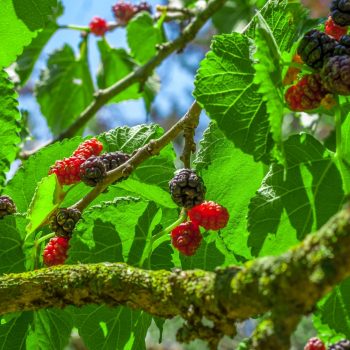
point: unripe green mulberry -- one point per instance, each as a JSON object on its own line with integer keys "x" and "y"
{"x": 63, "y": 221}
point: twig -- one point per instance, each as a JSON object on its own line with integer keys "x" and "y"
{"x": 140, "y": 75}
{"x": 190, "y": 145}
{"x": 183, "y": 10}
{"x": 142, "y": 154}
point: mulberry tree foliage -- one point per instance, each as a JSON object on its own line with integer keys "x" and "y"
{"x": 271, "y": 167}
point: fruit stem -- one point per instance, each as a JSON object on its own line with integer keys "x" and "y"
{"x": 74, "y": 27}
{"x": 159, "y": 238}
{"x": 180, "y": 220}
{"x": 338, "y": 121}
{"x": 44, "y": 238}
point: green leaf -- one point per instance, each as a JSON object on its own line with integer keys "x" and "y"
{"x": 225, "y": 87}
{"x": 207, "y": 257}
{"x": 342, "y": 148}
{"x": 107, "y": 231}
{"x": 295, "y": 200}
{"x": 65, "y": 88}
{"x": 119, "y": 231}
{"x": 143, "y": 36}
{"x": 111, "y": 328}
{"x": 114, "y": 231}
{"x": 23, "y": 185}
{"x": 47, "y": 197}
{"x": 12, "y": 232}
{"x": 285, "y": 20}
{"x": 232, "y": 14}
{"x": 156, "y": 170}
{"x": 268, "y": 76}
{"x": 231, "y": 178}
{"x": 115, "y": 65}
{"x": 151, "y": 192}
{"x": 9, "y": 126}
{"x": 50, "y": 329}
{"x": 14, "y": 332}
{"x": 26, "y": 61}
{"x": 332, "y": 317}
{"x": 20, "y": 22}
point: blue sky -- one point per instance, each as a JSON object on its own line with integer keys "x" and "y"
{"x": 176, "y": 81}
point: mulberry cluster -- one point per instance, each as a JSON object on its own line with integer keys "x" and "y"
{"x": 55, "y": 253}
{"x": 315, "y": 344}
{"x": 67, "y": 170}
{"x": 62, "y": 223}
{"x": 98, "y": 26}
{"x": 341, "y": 345}
{"x": 124, "y": 11}
{"x": 87, "y": 165}
{"x": 188, "y": 191}
{"x": 315, "y": 47}
{"x": 187, "y": 188}
{"x": 336, "y": 75}
{"x": 186, "y": 238}
{"x": 94, "y": 170}
{"x": 7, "y": 206}
{"x": 340, "y": 12}
{"x": 328, "y": 54}
{"x": 306, "y": 94}
{"x": 334, "y": 30}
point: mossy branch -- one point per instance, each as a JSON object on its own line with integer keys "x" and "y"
{"x": 285, "y": 287}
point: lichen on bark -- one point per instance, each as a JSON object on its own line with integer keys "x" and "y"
{"x": 283, "y": 288}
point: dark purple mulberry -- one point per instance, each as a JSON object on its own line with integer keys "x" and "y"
{"x": 187, "y": 188}
{"x": 114, "y": 159}
{"x": 343, "y": 47}
{"x": 315, "y": 47}
{"x": 336, "y": 75}
{"x": 7, "y": 206}
{"x": 92, "y": 171}
{"x": 340, "y": 12}
{"x": 341, "y": 345}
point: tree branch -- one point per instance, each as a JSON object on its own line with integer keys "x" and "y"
{"x": 151, "y": 149}
{"x": 289, "y": 285}
{"x": 190, "y": 145}
{"x": 141, "y": 74}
